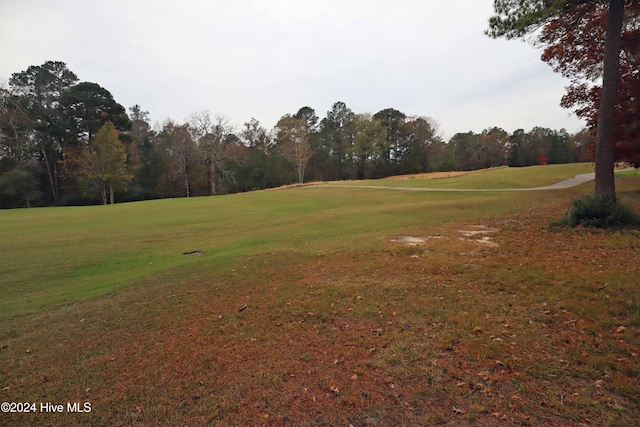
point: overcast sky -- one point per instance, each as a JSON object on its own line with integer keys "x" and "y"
{"x": 267, "y": 58}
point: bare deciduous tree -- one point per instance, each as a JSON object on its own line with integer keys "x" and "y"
{"x": 217, "y": 146}
{"x": 293, "y": 142}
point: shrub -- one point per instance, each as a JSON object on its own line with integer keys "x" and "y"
{"x": 598, "y": 211}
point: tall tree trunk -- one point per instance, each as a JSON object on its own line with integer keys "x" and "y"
{"x": 50, "y": 173}
{"x": 605, "y": 182}
{"x": 111, "y": 195}
{"x": 213, "y": 182}
{"x": 215, "y": 179}
{"x": 186, "y": 177}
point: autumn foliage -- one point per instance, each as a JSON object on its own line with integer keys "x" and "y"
{"x": 103, "y": 163}
{"x": 575, "y": 48}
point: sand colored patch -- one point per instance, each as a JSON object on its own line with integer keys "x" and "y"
{"x": 409, "y": 240}
{"x": 479, "y": 231}
{"x": 429, "y": 175}
{"x": 478, "y": 234}
{"x": 413, "y": 240}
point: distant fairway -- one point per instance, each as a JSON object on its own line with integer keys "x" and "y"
{"x": 323, "y": 305}
{"x": 488, "y": 179}
{"x": 50, "y": 256}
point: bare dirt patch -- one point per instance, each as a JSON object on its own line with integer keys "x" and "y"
{"x": 415, "y": 240}
{"x": 409, "y": 240}
{"x": 478, "y": 234}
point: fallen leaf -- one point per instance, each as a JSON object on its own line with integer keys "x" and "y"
{"x": 615, "y": 405}
{"x": 483, "y": 375}
{"x": 477, "y": 330}
{"x": 620, "y": 329}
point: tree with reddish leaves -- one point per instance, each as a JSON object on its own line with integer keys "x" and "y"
{"x": 517, "y": 18}
{"x": 575, "y": 48}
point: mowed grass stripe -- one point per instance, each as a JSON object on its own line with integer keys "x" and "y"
{"x": 57, "y": 255}
{"x": 51, "y": 256}
{"x": 496, "y": 178}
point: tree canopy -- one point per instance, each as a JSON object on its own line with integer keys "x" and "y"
{"x": 103, "y": 164}
{"x": 582, "y": 40}
{"x": 575, "y": 49}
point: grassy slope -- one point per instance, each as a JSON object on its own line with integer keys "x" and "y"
{"x": 342, "y": 325}
{"x": 57, "y": 255}
{"x": 498, "y": 178}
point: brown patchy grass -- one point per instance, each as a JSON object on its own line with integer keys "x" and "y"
{"x": 542, "y": 329}
{"x": 428, "y": 175}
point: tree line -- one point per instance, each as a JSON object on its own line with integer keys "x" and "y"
{"x": 66, "y": 142}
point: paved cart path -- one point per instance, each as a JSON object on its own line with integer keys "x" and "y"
{"x": 567, "y": 183}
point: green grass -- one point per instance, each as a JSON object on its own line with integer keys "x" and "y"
{"x": 51, "y": 256}
{"x": 498, "y": 178}
{"x": 633, "y": 172}
{"x": 340, "y": 324}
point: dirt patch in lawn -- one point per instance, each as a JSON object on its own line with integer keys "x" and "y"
{"x": 480, "y": 234}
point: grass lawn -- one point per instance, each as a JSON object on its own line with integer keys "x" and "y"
{"x": 496, "y": 178}
{"x": 310, "y": 306}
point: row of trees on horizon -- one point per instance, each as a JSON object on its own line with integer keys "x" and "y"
{"x": 66, "y": 142}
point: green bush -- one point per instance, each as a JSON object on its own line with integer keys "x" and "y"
{"x": 599, "y": 212}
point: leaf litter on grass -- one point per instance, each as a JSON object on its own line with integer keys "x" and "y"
{"x": 530, "y": 336}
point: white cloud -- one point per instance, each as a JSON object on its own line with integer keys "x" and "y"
{"x": 263, "y": 59}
